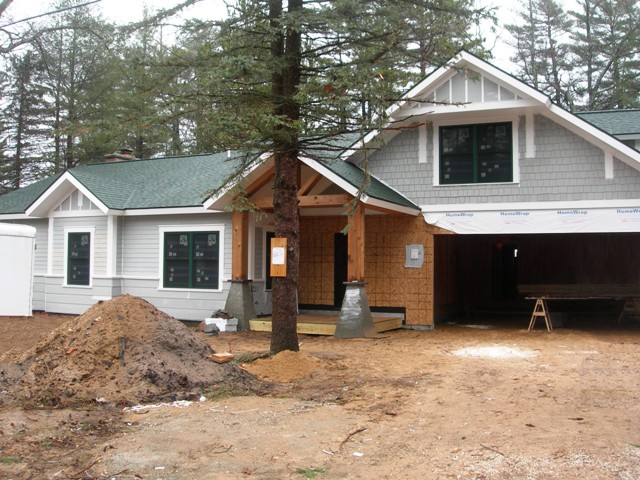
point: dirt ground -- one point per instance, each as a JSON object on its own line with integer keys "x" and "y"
{"x": 482, "y": 401}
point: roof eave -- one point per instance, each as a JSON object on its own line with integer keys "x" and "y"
{"x": 57, "y": 192}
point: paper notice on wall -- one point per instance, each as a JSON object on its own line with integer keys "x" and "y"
{"x": 277, "y": 256}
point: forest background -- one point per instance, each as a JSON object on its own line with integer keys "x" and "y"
{"x": 75, "y": 86}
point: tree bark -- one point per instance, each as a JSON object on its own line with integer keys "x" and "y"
{"x": 286, "y": 48}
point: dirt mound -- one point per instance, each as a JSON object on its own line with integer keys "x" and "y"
{"x": 121, "y": 351}
{"x": 286, "y": 367}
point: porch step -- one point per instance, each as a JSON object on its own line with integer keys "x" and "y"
{"x": 325, "y": 324}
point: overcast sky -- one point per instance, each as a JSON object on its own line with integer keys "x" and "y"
{"x": 124, "y": 11}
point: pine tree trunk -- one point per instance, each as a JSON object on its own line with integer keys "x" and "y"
{"x": 286, "y": 56}
{"x": 284, "y": 334}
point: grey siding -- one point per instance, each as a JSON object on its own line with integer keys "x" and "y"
{"x": 99, "y": 251}
{"x": 39, "y": 296}
{"x": 565, "y": 168}
{"x": 141, "y": 256}
{"x": 75, "y": 300}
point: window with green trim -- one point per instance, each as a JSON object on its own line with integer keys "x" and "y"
{"x": 192, "y": 260}
{"x": 476, "y": 153}
{"x": 79, "y": 258}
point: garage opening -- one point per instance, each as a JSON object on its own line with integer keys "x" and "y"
{"x": 483, "y": 275}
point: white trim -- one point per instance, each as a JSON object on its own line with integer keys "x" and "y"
{"x": 259, "y": 164}
{"x": 58, "y": 192}
{"x": 515, "y": 145}
{"x": 608, "y": 164}
{"x": 16, "y": 216}
{"x": 353, "y": 190}
{"x": 422, "y": 144}
{"x": 76, "y": 213}
{"x": 557, "y": 205}
{"x": 112, "y": 245}
{"x": 50, "y": 228}
{"x": 162, "y": 229}
{"x": 92, "y": 233}
{"x": 166, "y": 211}
{"x": 530, "y": 135}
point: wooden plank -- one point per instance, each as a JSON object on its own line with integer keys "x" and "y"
{"x": 325, "y": 324}
{"x": 355, "y": 247}
{"x": 313, "y": 201}
{"x": 240, "y": 245}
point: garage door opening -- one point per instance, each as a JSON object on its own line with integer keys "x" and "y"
{"x": 483, "y": 275}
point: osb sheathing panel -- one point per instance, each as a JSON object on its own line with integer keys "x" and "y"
{"x": 389, "y": 282}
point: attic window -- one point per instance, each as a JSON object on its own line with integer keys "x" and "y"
{"x": 480, "y": 153}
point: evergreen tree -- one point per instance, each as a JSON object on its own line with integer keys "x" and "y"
{"x": 541, "y": 43}
{"x": 24, "y": 135}
{"x": 286, "y": 76}
{"x": 606, "y": 47}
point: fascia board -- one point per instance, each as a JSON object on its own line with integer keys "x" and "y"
{"x": 223, "y": 197}
{"x": 329, "y": 175}
{"x": 57, "y": 192}
{"x": 141, "y": 212}
{"x": 353, "y": 190}
{"x": 15, "y": 216}
{"x": 594, "y": 135}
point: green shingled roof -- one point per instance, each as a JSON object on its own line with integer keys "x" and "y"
{"x": 170, "y": 182}
{"x": 19, "y": 200}
{"x": 156, "y": 183}
{"x": 614, "y": 122}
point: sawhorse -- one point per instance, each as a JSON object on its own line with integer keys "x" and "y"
{"x": 540, "y": 310}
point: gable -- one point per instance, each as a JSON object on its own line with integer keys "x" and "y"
{"x": 467, "y": 86}
{"x": 76, "y": 202}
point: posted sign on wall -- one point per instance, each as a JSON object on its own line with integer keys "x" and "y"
{"x": 278, "y": 257}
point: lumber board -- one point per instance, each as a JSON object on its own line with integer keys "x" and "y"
{"x": 325, "y": 324}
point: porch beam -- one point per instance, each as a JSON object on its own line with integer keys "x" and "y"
{"x": 338, "y": 200}
{"x": 240, "y": 245}
{"x": 308, "y": 201}
{"x": 355, "y": 248}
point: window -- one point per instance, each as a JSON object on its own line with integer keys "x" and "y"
{"x": 79, "y": 258}
{"x": 192, "y": 260}
{"x": 476, "y": 153}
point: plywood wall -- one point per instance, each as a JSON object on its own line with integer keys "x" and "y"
{"x": 389, "y": 282}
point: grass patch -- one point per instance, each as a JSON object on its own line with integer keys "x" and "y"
{"x": 310, "y": 472}
{"x": 9, "y": 459}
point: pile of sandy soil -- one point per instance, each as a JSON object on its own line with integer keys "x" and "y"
{"x": 286, "y": 367}
{"x": 122, "y": 351}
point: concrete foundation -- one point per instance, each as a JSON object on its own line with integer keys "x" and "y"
{"x": 240, "y": 303}
{"x": 355, "y": 320}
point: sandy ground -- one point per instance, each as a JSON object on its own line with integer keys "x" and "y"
{"x": 458, "y": 402}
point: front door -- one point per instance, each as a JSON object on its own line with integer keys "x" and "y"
{"x": 340, "y": 259}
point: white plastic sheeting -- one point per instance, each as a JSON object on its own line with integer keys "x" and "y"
{"x": 572, "y": 220}
{"x": 17, "y": 245}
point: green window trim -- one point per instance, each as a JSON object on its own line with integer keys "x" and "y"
{"x": 79, "y": 258}
{"x": 480, "y": 153}
{"x": 191, "y": 260}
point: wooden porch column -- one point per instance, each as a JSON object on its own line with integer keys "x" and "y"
{"x": 240, "y": 245}
{"x": 355, "y": 248}
{"x": 355, "y": 320}
{"x": 240, "y": 298}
